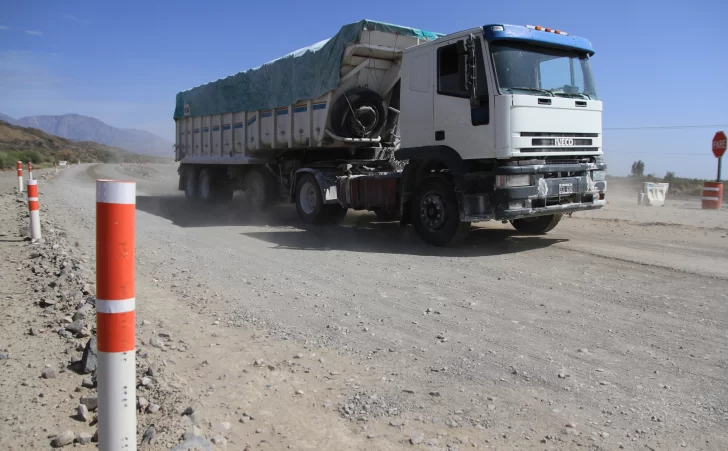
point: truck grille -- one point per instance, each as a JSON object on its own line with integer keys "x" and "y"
{"x": 559, "y": 135}
{"x": 558, "y": 149}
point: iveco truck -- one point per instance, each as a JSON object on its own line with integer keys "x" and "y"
{"x": 499, "y": 122}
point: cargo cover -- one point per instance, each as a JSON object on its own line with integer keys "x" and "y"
{"x": 307, "y": 73}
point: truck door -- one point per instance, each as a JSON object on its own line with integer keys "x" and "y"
{"x": 467, "y": 129}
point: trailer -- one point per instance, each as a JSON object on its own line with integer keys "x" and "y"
{"x": 499, "y": 122}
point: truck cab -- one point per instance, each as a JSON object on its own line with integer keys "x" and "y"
{"x": 511, "y": 117}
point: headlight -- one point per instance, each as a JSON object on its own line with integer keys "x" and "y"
{"x": 599, "y": 176}
{"x": 510, "y": 181}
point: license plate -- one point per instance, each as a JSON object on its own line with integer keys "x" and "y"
{"x": 566, "y": 188}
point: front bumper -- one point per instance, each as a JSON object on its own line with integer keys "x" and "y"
{"x": 550, "y": 192}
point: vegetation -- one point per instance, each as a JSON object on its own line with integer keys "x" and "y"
{"x": 678, "y": 185}
{"x": 42, "y": 149}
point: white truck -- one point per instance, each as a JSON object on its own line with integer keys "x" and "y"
{"x": 499, "y": 122}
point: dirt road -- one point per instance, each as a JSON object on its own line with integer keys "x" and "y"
{"x": 609, "y": 332}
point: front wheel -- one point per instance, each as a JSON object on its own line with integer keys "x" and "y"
{"x": 538, "y": 225}
{"x": 435, "y": 213}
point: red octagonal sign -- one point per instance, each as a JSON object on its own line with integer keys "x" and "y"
{"x": 719, "y": 144}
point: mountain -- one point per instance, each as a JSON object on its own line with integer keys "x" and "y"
{"x": 8, "y": 119}
{"x": 30, "y": 144}
{"x": 84, "y": 128}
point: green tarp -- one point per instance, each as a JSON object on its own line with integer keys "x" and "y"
{"x": 307, "y": 73}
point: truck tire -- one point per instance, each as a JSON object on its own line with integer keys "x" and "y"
{"x": 435, "y": 213}
{"x": 310, "y": 203}
{"x": 538, "y": 225}
{"x": 369, "y": 114}
{"x": 213, "y": 189}
{"x": 206, "y": 186}
{"x": 260, "y": 188}
{"x": 190, "y": 183}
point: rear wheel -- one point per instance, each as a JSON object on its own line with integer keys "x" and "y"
{"x": 435, "y": 213}
{"x": 205, "y": 187}
{"x": 538, "y": 225}
{"x": 260, "y": 189}
{"x": 190, "y": 183}
{"x": 310, "y": 203}
{"x": 212, "y": 189}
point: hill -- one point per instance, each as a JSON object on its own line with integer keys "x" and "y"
{"x": 8, "y": 119}
{"x": 85, "y": 128}
{"x": 30, "y": 144}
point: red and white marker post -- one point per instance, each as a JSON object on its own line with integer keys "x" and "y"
{"x": 30, "y": 170}
{"x": 115, "y": 311}
{"x": 20, "y": 176}
{"x": 34, "y": 208}
{"x": 713, "y": 191}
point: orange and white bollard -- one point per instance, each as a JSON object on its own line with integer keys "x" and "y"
{"x": 30, "y": 170}
{"x": 34, "y": 208}
{"x": 20, "y": 176}
{"x": 115, "y": 311}
{"x": 712, "y": 195}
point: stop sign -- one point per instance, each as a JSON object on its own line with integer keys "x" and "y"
{"x": 719, "y": 144}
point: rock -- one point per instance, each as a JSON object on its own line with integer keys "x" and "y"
{"x": 153, "y": 408}
{"x": 4, "y": 355}
{"x": 219, "y": 440}
{"x": 84, "y": 438}
{"x": 49, "y": 373}
{"x": 562, "y": 375}
{"x": 34, "y": 331}
{"x": 63, "y": 439}
{"x": 146, "y": 322}
{"x": 570, "y": 425}
{"x": 142, "y": 403}
{"x": 156, "y": 342}
{"x": 82, "y": 414}
{"x": 91, "y": 401}
{"x": 146, "y": 381}
{"x": 189, "y": 411}
{"x": 90, "y": 357}
{"x": 47, "y": 302}
{"x": 299, "y": 392}
{"x": 435, "y": 393}
{"x": 153, "y": 370}
{"x": 604, "y": 434}
{"x": 417, "y": 439}
{"x": 87, "y": 382}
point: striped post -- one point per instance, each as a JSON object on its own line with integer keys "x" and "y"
{"x": 712, "y": 195}
{"x": 115, "y": 306}
{"x": 30, "y": 170}
{"x": 20, "y": 176}
{"x": 34, "y": 208}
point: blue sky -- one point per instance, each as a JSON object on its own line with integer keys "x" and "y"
{"x": 657, "y": 63}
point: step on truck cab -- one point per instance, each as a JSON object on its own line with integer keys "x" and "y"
{"x": 500, "y": 122}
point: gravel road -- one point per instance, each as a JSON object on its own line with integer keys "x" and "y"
{"x": 610, "y": 332}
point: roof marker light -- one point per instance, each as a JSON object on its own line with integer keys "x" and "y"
{"x": 547, "y": 30}
{"x": 497, "y": 28}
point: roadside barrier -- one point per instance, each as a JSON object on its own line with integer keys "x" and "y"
{"x": 30, "y": 170}
{"x": 20, "y": 176}
{"x": 115, "y": 312}
{"x": 653, "y": 194}
{"x": 34, "y": 208}
{"x": 712, "y": 195}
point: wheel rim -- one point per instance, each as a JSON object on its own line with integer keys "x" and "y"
{"x": 307, "y": 198}
{"x": 432, "y": 211}
{"x": 205, "y": 186}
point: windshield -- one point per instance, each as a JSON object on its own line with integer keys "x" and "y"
{"x": 538, "y": 70}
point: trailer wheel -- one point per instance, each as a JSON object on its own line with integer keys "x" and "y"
{"x": 538, "y": 225}
{"x": 190, "y": 183}
{"x": 260, "y": 189}
{"x": 358, "y": 113}
{"x": 206, "y": 186}
{"x": 435, "y": 213}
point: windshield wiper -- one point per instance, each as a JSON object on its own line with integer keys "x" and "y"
{"x": 544, "y": 91}
{"x": 580, "y": 95}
